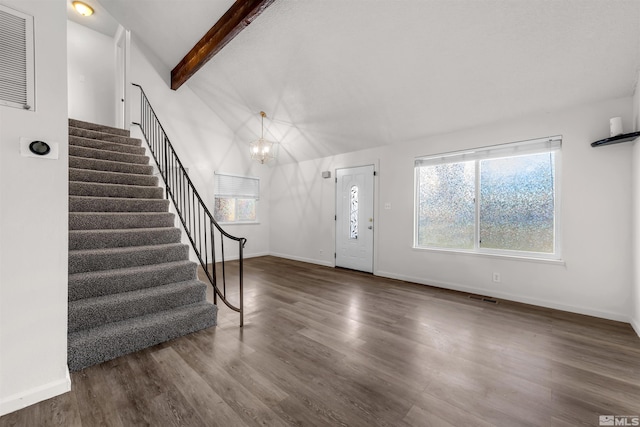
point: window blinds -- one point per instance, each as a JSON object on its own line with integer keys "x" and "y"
{"x": 17, "y": 64}
{"x": 533, "y": 146}
{"x": 237, "y": 186}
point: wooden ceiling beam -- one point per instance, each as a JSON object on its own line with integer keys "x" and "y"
{"x": 236, "y": 19}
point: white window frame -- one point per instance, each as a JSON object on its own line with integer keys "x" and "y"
{"x": 232, "y": 186}
{"x": 514, "y": 149}
{"x": 29, "y": 65}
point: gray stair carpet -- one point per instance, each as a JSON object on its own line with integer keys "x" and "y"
{"x": 131, "y": 283}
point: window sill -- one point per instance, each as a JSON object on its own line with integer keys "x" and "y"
{"x": 493, "y": 255}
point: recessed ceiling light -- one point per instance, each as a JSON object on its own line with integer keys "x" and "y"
{"x": 82, "y": 8}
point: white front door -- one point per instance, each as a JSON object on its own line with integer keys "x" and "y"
{"x": 354, "y": 218}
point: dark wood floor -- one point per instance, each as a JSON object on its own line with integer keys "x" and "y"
{"x": 332, "y": 347}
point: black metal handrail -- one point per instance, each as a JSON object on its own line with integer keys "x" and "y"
{"x": 196, "y": 218}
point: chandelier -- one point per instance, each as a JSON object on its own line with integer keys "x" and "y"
{"x": 262, "y": 150}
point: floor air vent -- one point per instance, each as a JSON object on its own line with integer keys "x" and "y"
{"x": 483, "y": 299}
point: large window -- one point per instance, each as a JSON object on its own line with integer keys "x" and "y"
{"x": 501, "y": 199}
{"x": 236, "y": 198}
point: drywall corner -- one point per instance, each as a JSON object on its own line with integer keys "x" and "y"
{"x": 34, "y": 218}
{"x": 37, "y": 394}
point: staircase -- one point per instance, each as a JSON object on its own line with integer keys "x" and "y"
{"x": 131, "y": 284}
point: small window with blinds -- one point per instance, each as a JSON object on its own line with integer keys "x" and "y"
{"x": 17, "y": 76}
{"x": 236, "y": 198}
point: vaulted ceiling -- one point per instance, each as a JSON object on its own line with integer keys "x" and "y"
{"x": 336, "y": 76}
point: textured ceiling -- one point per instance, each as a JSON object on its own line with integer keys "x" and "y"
{"x": 169, "y": 27}
{"x": 341, "y": 75}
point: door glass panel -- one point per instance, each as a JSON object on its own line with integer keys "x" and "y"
{"x": 353, "y": 213}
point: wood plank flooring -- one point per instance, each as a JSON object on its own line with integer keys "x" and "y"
{"x": 332, "y": 347}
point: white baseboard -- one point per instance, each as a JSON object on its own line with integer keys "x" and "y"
{"x": 256, "y": 255}
{"x": 246, "y": 256}
{"x": 511, "y": 297}
{"x": 635, "y": 324}
{"x": 37, "y": 394}
{"x": 235, "y": 257}
{"x": 302, "y": 259}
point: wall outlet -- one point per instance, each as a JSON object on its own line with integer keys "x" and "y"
{"x": 496, "y": 277}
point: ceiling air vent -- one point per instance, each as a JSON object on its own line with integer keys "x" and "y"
{"x": 17, "y": 64}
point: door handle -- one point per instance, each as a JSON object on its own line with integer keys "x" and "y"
{"x": 370, "y": 227}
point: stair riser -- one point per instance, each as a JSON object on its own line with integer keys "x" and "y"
{"x": 109, "y": 166}
{"x": 92, "y": 134}
{"x": 109, "y": 259}
{"x": 83, "y": 175}
{"x": 99, "y": 128}
{"x": 131, "y": 284}
{"x": 114, "y": 190}
{"x": 106, "y": 204}
{"x": 87, "y": 348}
{"x": 101, "y": 221}
{"x": 104, "y": 145}
{"x": 100, "y": 239}
{"x": 89, "y": 313}
{"x": 93, "y": 153}
{"x": 102, "y": 283}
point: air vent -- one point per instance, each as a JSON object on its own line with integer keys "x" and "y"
{"x": 483, "y": 299}
{"x": 17, "y": 65}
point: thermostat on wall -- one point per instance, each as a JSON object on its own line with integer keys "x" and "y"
{"x": 33, "y": 147}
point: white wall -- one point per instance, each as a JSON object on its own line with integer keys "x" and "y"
{"x": 203, "y": 142}
{"x": 635, "y": 298}
{"x": 635, "y": 314}
{"x": 33, "y": 225}
{"x": 91, "y": 75}
{"x": 595, "y": 277}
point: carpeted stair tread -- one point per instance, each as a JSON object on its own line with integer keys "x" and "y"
{"x": 116, "y": 204}
{"x": 98, "y": 239}
{"x": 98, "y": 127}
{"x": 97, "y": 189}
{"x": 119, "y": 220}
{"x": 91, "y": 346}
{"x": 92, "y": 134}
{"x": 91, "y": 312}
{"x": 85, "y": 260}
{"x": 107, "y": 146}
{"x": 87, "y": 175}
{"x": 109, "y": 166}
{"x": 94, "y": 153}
{"x": 131, "y": 284}
{"x": 107, "y": 282}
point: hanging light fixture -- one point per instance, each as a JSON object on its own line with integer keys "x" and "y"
{"x": 262, "y": 150}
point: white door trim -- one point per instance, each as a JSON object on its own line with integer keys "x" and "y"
{"x": 122, "y": 58}
{"x": 346, "y": 250}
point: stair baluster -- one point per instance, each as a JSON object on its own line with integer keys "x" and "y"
{"x": 181, "y": 191}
